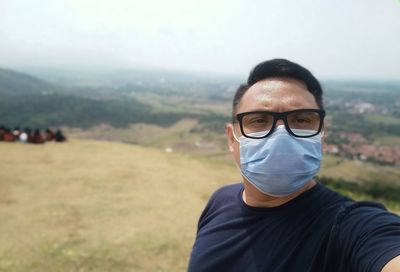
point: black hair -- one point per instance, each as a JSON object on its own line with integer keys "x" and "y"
{"x": 280, "y": 68}
{"x": 236, "y": 99}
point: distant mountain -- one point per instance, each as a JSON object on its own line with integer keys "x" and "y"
{"x": 16, "y": 83}
{"x": 28, "y": 101}
{"x": 57, "y": 110}
{"x": 113, "y": 77}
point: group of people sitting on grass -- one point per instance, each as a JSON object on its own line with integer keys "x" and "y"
{"x": 28, "y": 135}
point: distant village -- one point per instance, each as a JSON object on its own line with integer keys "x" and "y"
{"x": 355, "y": 146}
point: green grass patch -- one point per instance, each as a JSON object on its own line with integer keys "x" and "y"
{"x": 382, "y": 119}
{"x": 359, "y": 171}
{"x": 387, "y": 140}
{"x": 387, "y": 194}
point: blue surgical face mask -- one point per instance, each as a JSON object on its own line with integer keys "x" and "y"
{"x": 280, "y": 164}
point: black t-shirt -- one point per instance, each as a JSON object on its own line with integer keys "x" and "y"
{"x": 319, "y": 230}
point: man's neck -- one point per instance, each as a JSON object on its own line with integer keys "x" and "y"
{"x": 253, "y": 197}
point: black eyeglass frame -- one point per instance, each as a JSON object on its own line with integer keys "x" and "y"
{"x": 281, "y": 116}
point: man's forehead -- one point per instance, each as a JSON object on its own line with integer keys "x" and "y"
{"x": 271, "y": 90}
{"x": 275, "y": 83}
{"x": 264, "y": 88}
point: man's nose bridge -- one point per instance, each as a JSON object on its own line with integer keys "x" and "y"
{"x": 279, "y": 118}
{"x": 280, "y": 122}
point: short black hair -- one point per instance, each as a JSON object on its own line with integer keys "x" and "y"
{"x": 280, "y": 68}
{"x": 236, "y": 99}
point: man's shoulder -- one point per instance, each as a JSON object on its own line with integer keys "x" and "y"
{"x": 364, "y": 211}
{"x": 369, "y": 233}
{"x": 228, "y": 190}
{"x": 350, "y": 211}
{"x": 221, "y": 203}
{"x": 226, "y": 194}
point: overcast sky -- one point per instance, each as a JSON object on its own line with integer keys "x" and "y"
{"x": 334, "y": 39}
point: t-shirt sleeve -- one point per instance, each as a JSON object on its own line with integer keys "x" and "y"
{"x": 369, "y": 236}
{"x": 222, "y": 195}
{"x": 203, "y": 214}
{"x": 208, "y": 208}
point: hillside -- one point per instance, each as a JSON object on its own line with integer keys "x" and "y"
{"x": 57, "y": 110}
{"x": 106, "y": 206}
{"x": 17, "y": 83}
{"x": 101, "y": 206}
{"x": 26, "y": 101}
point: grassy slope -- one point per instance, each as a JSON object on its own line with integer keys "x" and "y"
{"x": 358, "y": 171}
{"x": 107, "y": 206}
{"x": 17, "y": 83}
{"x": 101, "y": 206}
{"x": 179, "y": 137}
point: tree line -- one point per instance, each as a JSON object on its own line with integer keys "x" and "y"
{"x": 58, "y": 110}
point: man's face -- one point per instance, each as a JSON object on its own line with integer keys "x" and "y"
{"x": 272, "y": 94}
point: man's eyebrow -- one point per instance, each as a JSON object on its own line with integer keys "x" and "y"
{"x": 266, "y": 110}
{"x": 258, "y": 109}
{"x": 255, "y": 110}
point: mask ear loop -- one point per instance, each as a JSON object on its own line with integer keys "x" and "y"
{"x": 234, "y": 135}
{"x": 237, "y": 165}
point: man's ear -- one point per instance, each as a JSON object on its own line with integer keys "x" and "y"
{"x": 229, "y": 135}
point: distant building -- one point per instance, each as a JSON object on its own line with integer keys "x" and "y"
{"x": 364, "y": 108}
{"x": 331, "y": 149}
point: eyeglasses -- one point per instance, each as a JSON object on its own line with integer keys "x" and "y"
{"x": 302, "y": 123}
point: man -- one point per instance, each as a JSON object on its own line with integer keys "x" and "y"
{"x": 279, "y": 218}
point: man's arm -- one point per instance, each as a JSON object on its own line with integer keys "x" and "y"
{"x": 393, "y": 265}
{"x": 370, "y": 237}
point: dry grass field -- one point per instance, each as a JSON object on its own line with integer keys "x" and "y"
{"x": 101, "y": 206}
{"x": 214, "y": 145}
{"x": 90, "y": 205}
{"x": 179, "y": 137}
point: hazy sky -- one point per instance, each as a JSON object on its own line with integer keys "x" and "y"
{"x": 333, "y": 38}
